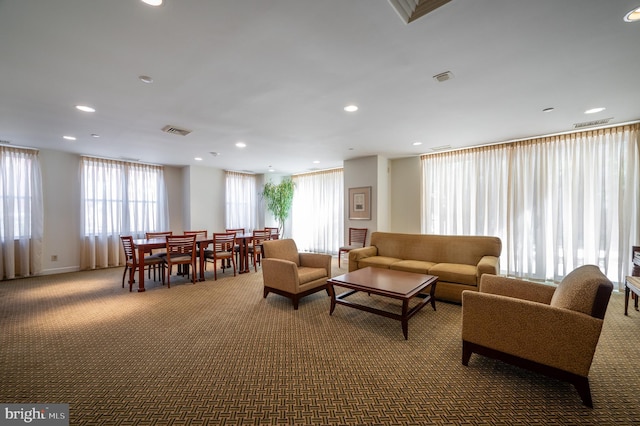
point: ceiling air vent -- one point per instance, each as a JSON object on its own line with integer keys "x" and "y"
{"x": 592, "y": 123}
{"x": 444, "y": 76}
{"x": 176, "y": 130}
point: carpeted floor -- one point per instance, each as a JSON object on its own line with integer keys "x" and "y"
{"x": 218, "y": 353}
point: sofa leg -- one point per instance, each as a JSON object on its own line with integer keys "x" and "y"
{"x": 466, "y": 353}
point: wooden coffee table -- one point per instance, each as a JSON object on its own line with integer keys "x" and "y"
{"x": 389, "y": 283}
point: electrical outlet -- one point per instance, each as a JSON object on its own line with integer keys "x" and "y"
{"x": 54, "y": 258}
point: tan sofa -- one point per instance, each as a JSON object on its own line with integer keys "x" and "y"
{"x": 458, "y": 260}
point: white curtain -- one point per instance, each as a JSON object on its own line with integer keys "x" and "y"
{"x": 21, "y": 213}
{"x": 317, "y": 213}
{"x": 241, "y": 201}
{"x": 557, "y": 202}
{"x": 118, "y": 198}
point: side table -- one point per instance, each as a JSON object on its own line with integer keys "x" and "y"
{"x": 631, "y": 284}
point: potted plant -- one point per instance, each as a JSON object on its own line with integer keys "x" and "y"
{"x": 279, "y": 199}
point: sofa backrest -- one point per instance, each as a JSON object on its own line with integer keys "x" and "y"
{"x": 281, "y": 249}
{"x": 585, "y": 289}
{"x": 465, "y": 249}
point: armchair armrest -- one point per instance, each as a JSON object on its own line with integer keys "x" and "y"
{"x": 281, "y": 274}
{"x": 520, "y": 289}
{"x": 488, "y": 265}
{"x": 552, "y": 336}
{"x": 316, "y": 260}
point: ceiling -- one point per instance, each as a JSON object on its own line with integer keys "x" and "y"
{"x": 276, "y": 75}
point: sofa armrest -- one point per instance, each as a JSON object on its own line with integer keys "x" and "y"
{"x": 520, "y": 289}
{"x": 316, "y": 260}
{"x": 488, "y": 265}
{"x": 281, "y": 274}
{"x": 358, "y": 254}
{"x": 556, "y": 337}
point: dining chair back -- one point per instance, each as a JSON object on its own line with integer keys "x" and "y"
{"x": 273, "y": 232}
{"x": 357, "y": 239}
{"x": 223, "y": 249}
{"x": 203, "y": 233}
{"x": 181, "y": 250}
{"x": 132, "y": 264}
{"x": 255, "y": 248}
{"x": 236, "y": 248}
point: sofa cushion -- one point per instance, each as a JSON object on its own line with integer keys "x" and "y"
{"x": 416, "y": 266}
{"x": 377, "y": 262}
{"x": 307, "y": 274}
{"x": 455, "y": 273}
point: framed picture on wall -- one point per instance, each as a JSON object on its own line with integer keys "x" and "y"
{"x": 360, "y": 203}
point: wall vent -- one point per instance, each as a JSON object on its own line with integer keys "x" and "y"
{"x": 592, "y": 123}
{"x": 441, "y": 148}
{"x": 3, "y": 142}
{"x": 176, "y": 130}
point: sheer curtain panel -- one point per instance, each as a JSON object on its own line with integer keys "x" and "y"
{"x": 118, "y": 198}
{"x": 22, "y": 216}
{"x": 317, "y": 213}
{"x": 241, "y": 195}
{"x": 556, "y": 202}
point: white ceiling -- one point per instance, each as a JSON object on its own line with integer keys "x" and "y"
{"x": 276, "y": 75}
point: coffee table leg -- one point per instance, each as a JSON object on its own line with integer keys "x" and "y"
{"x": 332, "y": 294}
{"x": 405, "y": 320}
{"x": 626, "y": 298}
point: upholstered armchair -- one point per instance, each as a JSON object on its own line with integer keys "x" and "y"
{"x": 291, "y": 274}
{"x": 547, "y": 329}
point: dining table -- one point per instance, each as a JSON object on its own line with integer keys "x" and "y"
{"x": 147, "y": 245}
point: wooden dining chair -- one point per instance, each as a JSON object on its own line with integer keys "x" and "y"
{"x": 274, "y": 232}
{"x": 357, "y": 239}
{"x": 236, "y": 249}
{"x": 132, "y": 264}
{"x": 161, "y": 253}
{"x": 223, "y": 250}
{"x": 181, "y": 250}
{"x": 255, "y": 247}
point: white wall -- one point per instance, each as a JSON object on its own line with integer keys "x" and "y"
{"x": 61, "y": 202}
{"x": 204, "y": 203}
{"x": 405, "y": 197}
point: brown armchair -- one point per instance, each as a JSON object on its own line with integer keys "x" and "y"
{"x": 547, "y": 329}
{"x": 291, "y": 274}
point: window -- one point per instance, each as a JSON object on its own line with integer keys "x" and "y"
{"x": 21, "y": 212}
{"x": 241, "y": 207}
{"x": 317, "y": 213}
{"x": 556, "y": 203}
{"x": 119, "y": 198}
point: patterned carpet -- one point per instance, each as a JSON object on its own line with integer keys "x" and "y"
{"x": 218, "y": 353}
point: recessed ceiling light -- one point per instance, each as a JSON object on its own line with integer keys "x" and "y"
{"x": 85, "y": 108}
{"x": 351, "y": 108}
{"x": 548, "y": 109}
{"x": 198, "y": 158}
{"x": 69, "y": 138}
{"x": 316, "y": 162}
{"x": 633, "y": 16}
{"x": 153, "y": 2}
{"x": 594, "y": 110}
{"x": 241, "y": 144}
{"x": 416, "y": 143}
{"x": 145, "y": 79}
{"x": 95, "y": 135}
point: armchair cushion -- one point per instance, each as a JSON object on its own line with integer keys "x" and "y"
{"x": 581, "y": 291}
{"x": 286, "y": 250}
